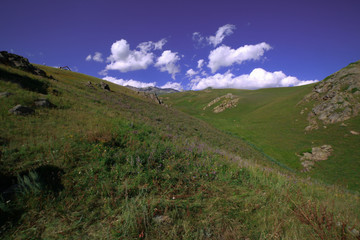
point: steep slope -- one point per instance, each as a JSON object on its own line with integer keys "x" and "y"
{"x": 94, "y": 160}
{"x": 274, "y": 120}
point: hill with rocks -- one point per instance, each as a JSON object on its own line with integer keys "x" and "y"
{"x": 336, "y": 98}
{"x": 294, "y": 127}
{"x": 83, "y": 158}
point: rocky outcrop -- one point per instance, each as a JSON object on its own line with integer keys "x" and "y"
{"x": 308, "y": 159}
{"x": 21, "y": 110}
{"x": 89, "y": 85}
{"x": 227, "y": 101}
{"x": 104, "y": 86}
{"x": 336, "y": 98}
{"x": 45, "y": 103}
{"x": 20, "y": 62}
{"x": 153, "y": 97}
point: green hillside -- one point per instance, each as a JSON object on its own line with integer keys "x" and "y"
{"x": 114, "y": 164}
{"x": 271, "y": 120}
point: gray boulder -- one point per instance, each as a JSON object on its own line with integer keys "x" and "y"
{"x": 5, "y": 94}
{"x": 21, "y": 110}
{"x": 42, "y": 102}
{"x": 104, "y": 86}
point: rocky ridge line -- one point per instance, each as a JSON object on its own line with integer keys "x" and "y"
{"x": 336, "y": 97}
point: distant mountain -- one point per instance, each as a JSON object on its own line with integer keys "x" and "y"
{"x": 156, "y": 90}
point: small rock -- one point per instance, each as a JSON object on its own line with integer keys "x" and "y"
{"x": 162, "y": 219}
{"x": 105, "y": 86}
{"x": 21, "y": 110}
{"x": 43, "y": 103}
{"x": 55, "y": 92}
{"x": 343, "y": 125}
{"x": 5, "y": 94}
{"x": 354, "y": 133}
{"x": 89, "y": 84}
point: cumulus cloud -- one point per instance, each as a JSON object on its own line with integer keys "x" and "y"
{"x": 191, "y": 72}
{"x": 130, "y": 82}
{"x": 167, "y": 62}
{"x": 173, "y": 85}
{"x": 221, "y": 33}
{"x": 200, "y": 63}
{"x": 258, "y": 78}
{"x": 124, "y": 60}
{"x": 225, "y": 56}
{"x": 97, "y": 57}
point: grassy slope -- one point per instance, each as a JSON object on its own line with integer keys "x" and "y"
{"x": 271, "y": 119}
{"x": 126, "y": 161}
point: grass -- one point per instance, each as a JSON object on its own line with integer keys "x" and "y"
{"x": 114, "y": 165}
{"x": 270, "y": 119}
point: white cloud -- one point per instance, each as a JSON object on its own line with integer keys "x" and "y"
{"x": 97, "y": 57}
{"x": 167, "y": 63}
{"x": 200, "y": 63}
{"x": 149, "y": 46}
{"x": 224, "y": 56}
{"x": 199, "y": 39}
{"x": 191, "y": 72}
{"x": 125, "y": 60}
{"x": 130, "y": 82}
{"x": 221, "y": 33}
{"x": 258, "y": 78}
{"x": 159, "y": 44}
{"x": 173, "y": 85}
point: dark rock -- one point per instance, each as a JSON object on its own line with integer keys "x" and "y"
{"x": 20, "y": 62}
{"x": 104, "y": 86}
{"x": 21, "y": 110}
{"x": 55, "y": 92}
{"x": 5, "y": 94}
{"x": 44, "y": 103}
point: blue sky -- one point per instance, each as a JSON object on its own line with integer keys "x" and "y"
{"x": 240, "y": 44}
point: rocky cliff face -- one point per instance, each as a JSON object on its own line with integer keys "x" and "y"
{"x": 336, "y": 98}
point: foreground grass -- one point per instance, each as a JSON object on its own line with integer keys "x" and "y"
{"x": 112, "y": 165}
